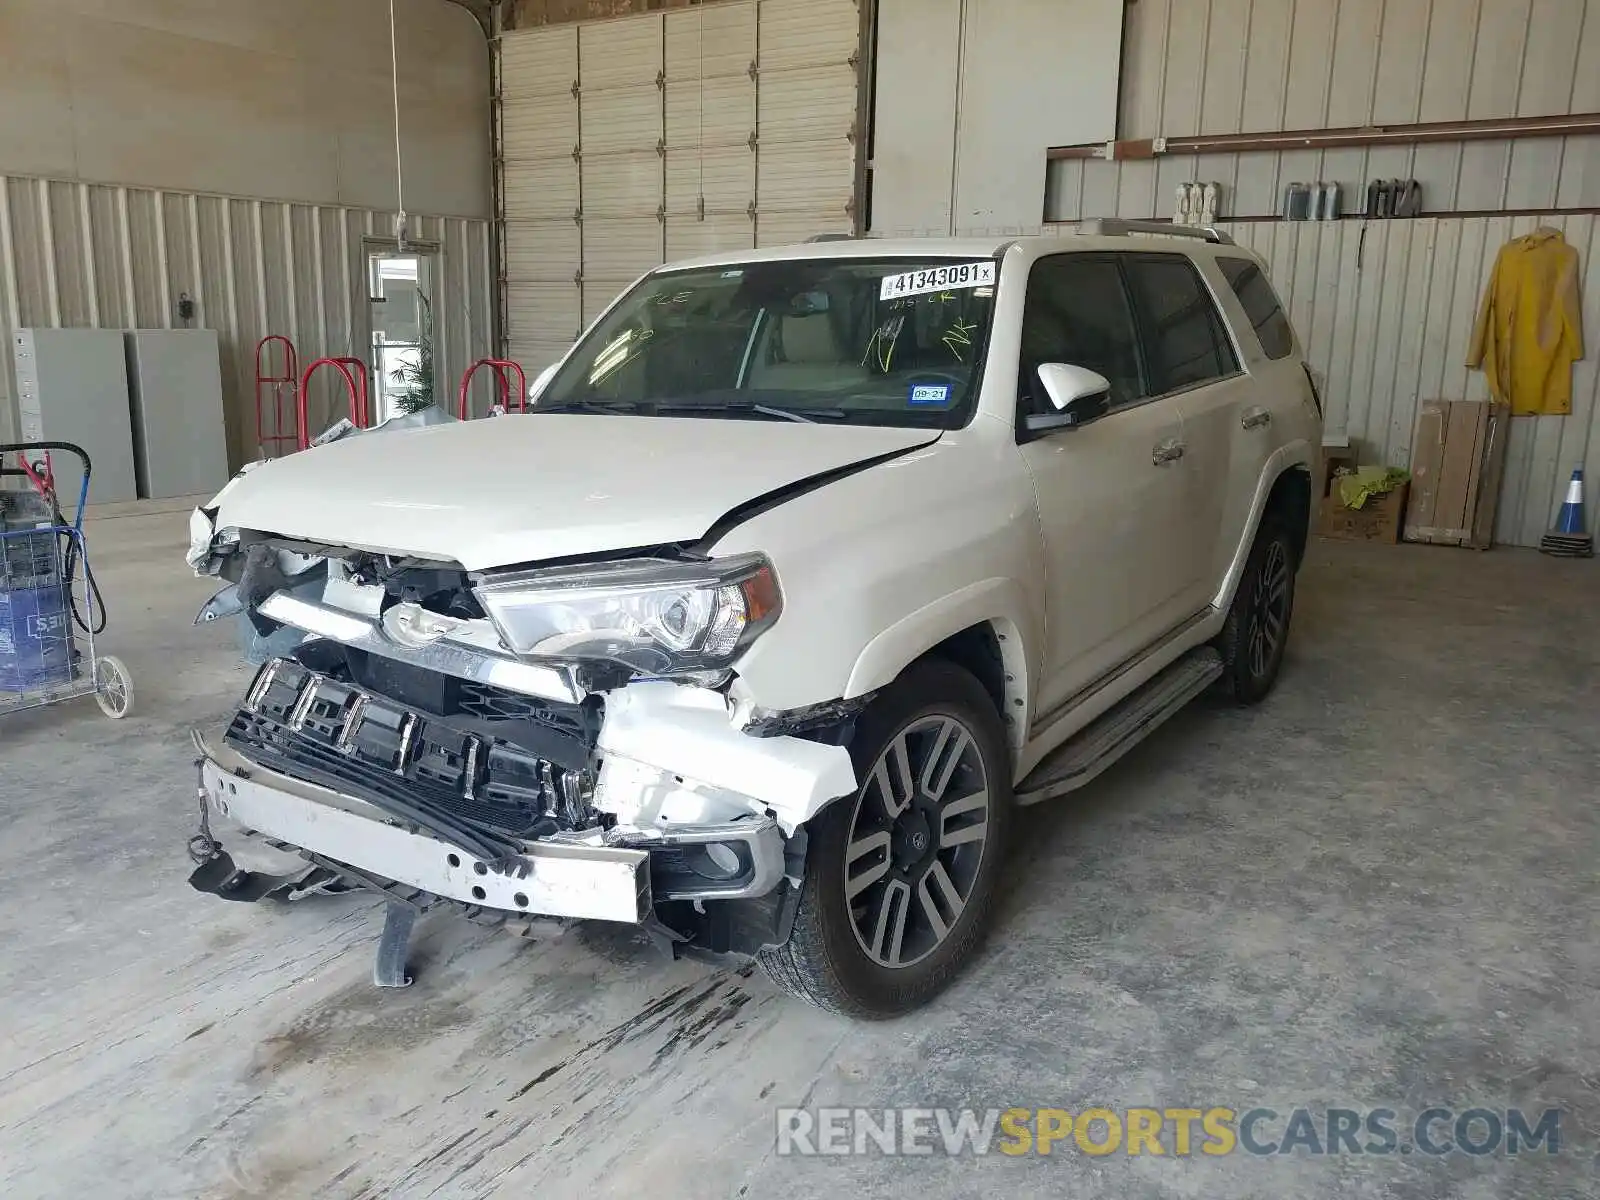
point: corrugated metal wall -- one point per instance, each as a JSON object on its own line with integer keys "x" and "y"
{"x": 84, "y": 255}
{"x": 1250, "y": 66}
{"x": 1385, "y": 308}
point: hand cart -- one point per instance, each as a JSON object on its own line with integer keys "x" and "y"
{"x": 50, "y": 606}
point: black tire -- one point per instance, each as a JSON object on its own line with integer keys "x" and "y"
{"x": 1263, "y": 603}
{"x": 825, "y": 960}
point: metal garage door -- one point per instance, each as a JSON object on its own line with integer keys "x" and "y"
{"x": 631, "y": 141}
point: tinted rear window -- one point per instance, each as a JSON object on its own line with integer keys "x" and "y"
{"x": 1250, "y": 284}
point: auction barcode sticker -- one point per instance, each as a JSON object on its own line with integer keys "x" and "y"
{"x": 938, "y": 279}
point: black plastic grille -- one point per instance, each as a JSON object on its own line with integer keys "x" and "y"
{"x": 334, "y": 734}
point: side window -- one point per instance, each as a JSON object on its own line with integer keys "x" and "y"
{"x": 1077, "y": 312}
{"x": 1184, "y": 339}
{"x": 1261, "y": 305}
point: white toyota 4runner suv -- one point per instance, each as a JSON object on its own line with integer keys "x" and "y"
{"x": 804, "y": 568}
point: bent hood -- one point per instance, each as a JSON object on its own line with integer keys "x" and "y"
{"x": 521, "y": 488}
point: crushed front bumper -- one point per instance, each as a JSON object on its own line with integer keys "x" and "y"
{"x": 614, "y": 875}
{"x": 559, "y": 879}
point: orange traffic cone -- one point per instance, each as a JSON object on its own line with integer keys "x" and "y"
{"x": 1570, "y": 538}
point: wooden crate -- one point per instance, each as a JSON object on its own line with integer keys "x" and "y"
{"x": 1457, "y": 460}
{"x": 1379, "y": 521}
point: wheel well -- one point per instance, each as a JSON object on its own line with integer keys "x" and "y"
{"x": 977, "y": 649}
{"x": 1290, "y": 502}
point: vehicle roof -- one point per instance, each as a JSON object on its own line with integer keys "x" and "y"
{"x": 969, "y": 247}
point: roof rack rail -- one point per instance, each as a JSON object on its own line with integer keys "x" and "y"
{"x": 1117, "y": 227}
{"x": 831, "y": 237}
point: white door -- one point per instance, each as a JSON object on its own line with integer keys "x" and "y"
{"x": 1113, "y": 503}
{"x": 633, "y": 141}
{"x": 1190, "y": 358}
{"x": 1236, "y": 426}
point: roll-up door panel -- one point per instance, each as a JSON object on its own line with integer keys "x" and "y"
{"x": 622, "y": 53}
{"x": 621, "y": 185}
{"x": 805, "y": 33}
{"x": 618, "y": 250}
{"x": 726, "y": 178}
{"x": 664, "y": 117}
{"x": 713, "y": 112}
{"x": 550, "y": 310}
{"x": 542, "y": 251}
{"x": 786, "y": 229}
{"x": 547, "y": 190}
{"x": 535, "y": 354}
{"x": 541, "y": 242}
{"x": 718, "y": 39}
{"x": 539, "y": 128}
{"x": 808, "y": 105}
{"x": 539, "y": 63}
{"x": 805, "y": 176}
{"x": 624, "y": 119}
{"x": 714, "y": 235}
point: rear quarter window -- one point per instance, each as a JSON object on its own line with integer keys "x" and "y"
{"x": 1250, "y": 284}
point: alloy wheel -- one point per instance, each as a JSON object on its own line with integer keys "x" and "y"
{"x": 1269, "y": 610}
{"x": 916, "y": 842}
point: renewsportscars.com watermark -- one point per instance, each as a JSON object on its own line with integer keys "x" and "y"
{"x": 1175, "y": 1132}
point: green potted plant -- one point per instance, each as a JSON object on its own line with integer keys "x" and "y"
{"x": 415, "y": 381}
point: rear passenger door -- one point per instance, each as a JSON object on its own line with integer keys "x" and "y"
{"x": 1273, "y": 406}
{"x": 1193, "y": 363}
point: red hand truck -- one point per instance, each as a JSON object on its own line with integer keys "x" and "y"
{"x": 271, "y": 389}
{"x": 355, "y": 387}
{"x": 504, "y": 369}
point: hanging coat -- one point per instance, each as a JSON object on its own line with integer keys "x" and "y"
{"x": 1530, "y": 325}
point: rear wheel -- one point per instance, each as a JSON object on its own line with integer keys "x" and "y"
{"x": 900, "y": 877}
{"x": 1257, "y": 629}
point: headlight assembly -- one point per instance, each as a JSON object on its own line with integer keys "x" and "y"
{"x": 655, "y": 616}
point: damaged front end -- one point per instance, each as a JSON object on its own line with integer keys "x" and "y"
{"x": 539, "y": 743}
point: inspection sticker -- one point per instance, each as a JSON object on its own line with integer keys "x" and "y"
{"x": 938, "y": 279}
{"x": 928, "y": 395}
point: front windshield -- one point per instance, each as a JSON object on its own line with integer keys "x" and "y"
{"x": 879, "y": 341}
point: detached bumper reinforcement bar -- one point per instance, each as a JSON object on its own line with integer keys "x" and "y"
{"x": 602, "y": 883}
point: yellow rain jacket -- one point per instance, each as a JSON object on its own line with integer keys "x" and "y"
{"x": 1530, "y": 325}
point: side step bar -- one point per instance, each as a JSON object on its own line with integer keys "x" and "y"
{"x": 1112, "y": 734}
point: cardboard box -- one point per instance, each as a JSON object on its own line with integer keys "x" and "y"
{"x": 1336, "y": 458}
{"x": 1379, "y": 521}
{"x": 1457, "y": 460}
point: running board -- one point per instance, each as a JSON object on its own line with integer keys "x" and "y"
{"x": 1112, "y": 734}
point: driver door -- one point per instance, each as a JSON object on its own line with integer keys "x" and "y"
{"x": 1112, "y": 493}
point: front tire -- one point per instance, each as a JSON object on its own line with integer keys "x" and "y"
{"x": 900, "y": 878}
{"x": 1257, "y": 629}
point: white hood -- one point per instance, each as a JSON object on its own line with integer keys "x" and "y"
{"x": 522, "y": 488}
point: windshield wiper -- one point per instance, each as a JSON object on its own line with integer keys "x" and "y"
{"x": 588, "y": 406}
{"x": 809, "y": 416}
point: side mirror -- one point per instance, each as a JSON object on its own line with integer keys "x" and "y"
{"x": 1078, "y": 395}
{"x": 540, "y": 382}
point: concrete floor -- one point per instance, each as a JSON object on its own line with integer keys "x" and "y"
{"x": 1377, "y": 889}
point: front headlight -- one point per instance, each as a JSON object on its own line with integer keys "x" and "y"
{"x": 655, "y": 616}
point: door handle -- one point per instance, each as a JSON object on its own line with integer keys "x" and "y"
{"x": 1256, "y": 418}
{"x": 1166, "y": 452}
